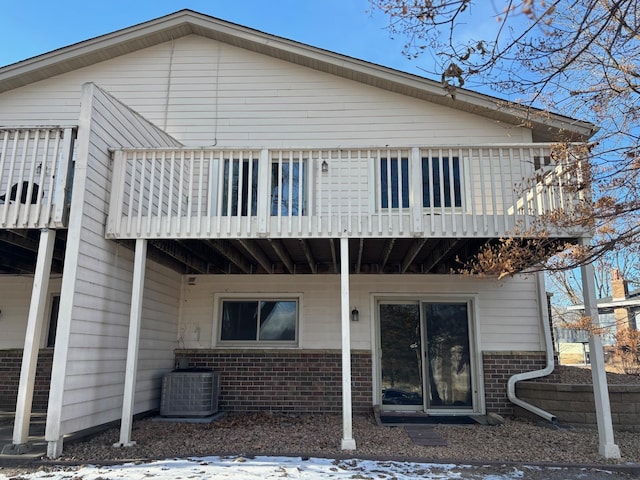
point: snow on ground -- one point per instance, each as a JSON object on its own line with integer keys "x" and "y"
{"x": 263, "y": 468}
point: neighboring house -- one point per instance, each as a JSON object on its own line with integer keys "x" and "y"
{"x": 615, "y": 313}
{"x": 213, "y": 196}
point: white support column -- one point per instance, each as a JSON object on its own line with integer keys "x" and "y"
{"x": 348, "y": 443}
{"x": 35, "y": 323}
{"x": 137, "y": 290}
{"x": 607, "y": 446}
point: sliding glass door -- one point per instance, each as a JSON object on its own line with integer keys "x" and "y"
{"x": 446, "y": 328}
{"x": 426, "y": 361}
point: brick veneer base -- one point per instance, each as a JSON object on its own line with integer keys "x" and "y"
{"x": 285, "y": 380}
{"x": 282, "y": 380}
{"x": 10, "y": 364}
{"x": 499, "y": 367}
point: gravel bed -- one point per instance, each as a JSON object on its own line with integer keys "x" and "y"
{"x": 319, "y": 435}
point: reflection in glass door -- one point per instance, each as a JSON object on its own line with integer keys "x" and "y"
{"x": 425, "y": 356}
{"x": 401, "y": 348}
{"x": 448, "y": 355}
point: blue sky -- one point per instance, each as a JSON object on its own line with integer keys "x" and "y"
{"x": 33, "y": 27}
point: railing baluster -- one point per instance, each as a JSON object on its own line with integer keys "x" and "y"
{"x": 160, "y": 205}
{"x": 278, "y": 200}
{"x": 452, "y": 193}
{"x": 319, "y": 206}
{"x": 23, "y": 161}
{"x": 471, "y": 195}
{"x": 27, "y": 207}
{"x": 492, "y": 179}
{"x": 41, "y": 179}
{"x": 190, "y": 192}
{"x": 432, "y": 213}
{"x": 230, "y": 175}
{"x": 131, "y": 193}
{"x": 210, "y": 186}
{"x": 250, "y": 193}
{"x": 241, "y": 182}
{"x": 373, "y": 196}
{"x": 463, "y": 187}
{"x": 290, "y": 203}
{"x": 140, "y": 205}
{"x": 502, "y": 187}
{"x": 220, "y": 193}
{"x": 483, "y": 189}
{"x": 58, "y": 160}
{"x": 441, "y": 193}
{"x": 200, "y": 192}
{"x": 378, "y": 168}
{"x": 389, "y": 191}
{"x": 400, "y": 193}
{"x": 5, "y": 183}
{"x": 152, "y": 172}
{"x": 181, "y": 181}
{"x": 10, "y": 180}
{"x": 310, "y": 182}
{"x": 301, "y": 179}
{"x": 359, "y": 192}
{"x": 171, "y": 190}
{"x": 522, "y": 192}
{"x": 351, "y": 179}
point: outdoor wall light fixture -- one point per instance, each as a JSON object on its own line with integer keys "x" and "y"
{"x": 355, "y": 315}
{"x": 325, "y": 166}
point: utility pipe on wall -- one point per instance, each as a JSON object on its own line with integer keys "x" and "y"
{"x": 546, "y": 327}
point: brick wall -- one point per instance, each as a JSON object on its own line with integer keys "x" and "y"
{"x": 285, "y": 380}
{"x": 10, "y": 364}
{"x": 499, "y": 367}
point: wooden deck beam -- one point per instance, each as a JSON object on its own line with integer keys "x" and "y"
{"x": 281, "y": 251}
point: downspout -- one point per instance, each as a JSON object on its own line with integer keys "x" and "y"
{"x": 546, "y": 327}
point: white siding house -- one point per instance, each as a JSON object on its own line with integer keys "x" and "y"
{"x": 203, "y": 194}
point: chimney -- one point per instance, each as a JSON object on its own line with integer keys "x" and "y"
{"x": 619, "y": 286}
{"x": 620, "y": 291}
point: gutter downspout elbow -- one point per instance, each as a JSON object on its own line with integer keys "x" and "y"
{"x": 546, "y": 327}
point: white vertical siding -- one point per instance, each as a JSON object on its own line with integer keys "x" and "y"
{"x": 205, "y": 93}
{"x": 15, "y": 296}
{"x": 88, "y": 368}
{"x": 509, "y": 316}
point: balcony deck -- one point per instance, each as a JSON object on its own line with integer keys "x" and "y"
{"x": 34, "y": 177}
{"x": 434, "y": 192}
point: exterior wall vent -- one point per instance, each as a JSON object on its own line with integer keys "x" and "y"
{"x": 189, "y": 393}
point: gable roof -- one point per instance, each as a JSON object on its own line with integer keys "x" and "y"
{"x": 545, "y": 126}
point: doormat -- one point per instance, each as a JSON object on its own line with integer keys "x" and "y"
{"x": 426, "y": 419}
{"x": 425, "y": 435}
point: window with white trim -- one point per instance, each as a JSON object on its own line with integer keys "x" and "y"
{"x": 259, "y": 321}
{"x": 288, "y": 187}
{"x": 441, "y": 182}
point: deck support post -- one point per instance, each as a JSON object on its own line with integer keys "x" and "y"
{"x": 35, "y": 322}
{"x": 135, "y": 320}
{"x": 607, "y": 447}
{"x": 348, "y": 443}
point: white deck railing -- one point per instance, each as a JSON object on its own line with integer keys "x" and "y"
{"x": 480, "y": 191}
{"x": 35, "y": 165}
